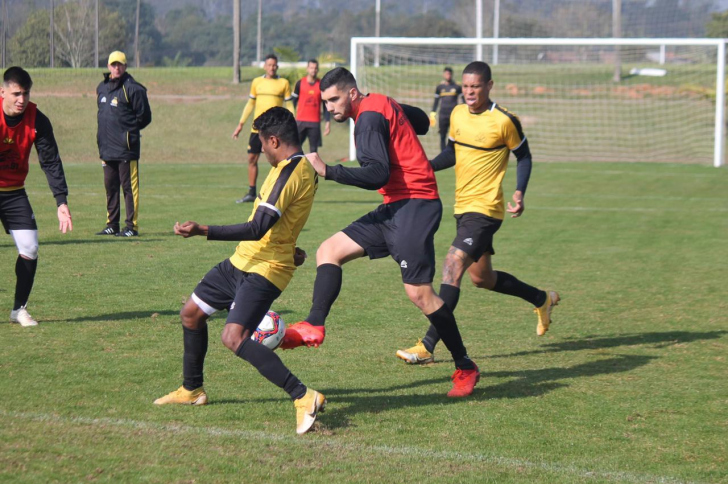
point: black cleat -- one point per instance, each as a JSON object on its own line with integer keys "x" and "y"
{"x": 108, "y": 231}
{"x": 127, "y": 233}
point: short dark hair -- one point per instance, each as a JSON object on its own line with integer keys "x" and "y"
{"x": 19, "y": 76}
{"x": 278, "y": 122}
{"x": 271, "y": 56}
{"x": 312, "y": 61}
{"x": 447, "y": 69}
{"x": 339, "y": 77}
{"x": 480, "y": 68}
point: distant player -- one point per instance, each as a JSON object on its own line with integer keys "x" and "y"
{"x": 482, "y": 136}
{"x": 307, "y": 100}
{"x": 448, "y": 95}
{"x": 393, "y": 161}
{"x": 247, "y": 283}
{"x": 22, "y": 125}
{"x": 265, "y": 92}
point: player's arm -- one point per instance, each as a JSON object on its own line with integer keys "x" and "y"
{"x": 288, "y": 99}
{"x": 140, "y": 105}
{"x": 433, "y": 113}
{"x": 52, "y": 166}
{"x": 371, "y": 134}
{"x": 517, "y": 142}
{"x": 446, "y": 159}
{"x": 247, "y": 111}
{"x": 417, "y": 118}
{"x": 296, "y": 92}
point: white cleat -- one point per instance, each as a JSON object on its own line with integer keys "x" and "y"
{"x": 22, "y": 317}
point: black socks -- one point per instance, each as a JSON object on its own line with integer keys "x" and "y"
{"x": 271, "y": 367}
{"x": 325, "y": 291}
{"x": 25, "y": 273}
{"x": 507, "y": 284}
{"x": 444, "y": 321}
{"x": 195, "y": 343}
{"x": 450, "y": 296}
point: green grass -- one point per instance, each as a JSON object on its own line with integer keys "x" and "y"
{"x": 628, "y": 386}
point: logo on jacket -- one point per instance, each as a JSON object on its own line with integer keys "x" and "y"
{"x": 8, "y": 141}
{"x": 403, "y": 264}
{"x": 114, "y": 102}
{"x": 103, "y": 99}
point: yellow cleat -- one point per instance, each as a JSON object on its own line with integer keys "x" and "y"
{"x": 417, "y": 355}
{"x": 544, "y": 312}
{"x": 307, "y": 408}
{"x": 182, "y": 396}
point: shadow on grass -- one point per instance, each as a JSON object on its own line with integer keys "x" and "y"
{"x": 119, "y": 316}
{"x": 108, "y": 240}
{"x": 657, "y": 340}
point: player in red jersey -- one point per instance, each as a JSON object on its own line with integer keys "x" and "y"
{"x": 392, "y": 161}
{"x": 22, "y": 125}
{"x": 307, "y": 101}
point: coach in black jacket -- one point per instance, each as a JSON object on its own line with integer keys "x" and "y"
{"x": 123, "y": 112}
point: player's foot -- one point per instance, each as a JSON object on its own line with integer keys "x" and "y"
{"x": 463, "y": 382}
{"x": 417, "y": 355}
{"x": 303, "y": 333}
{"x": 22, "y": 317}
{"x": 307, "y": 408}
{"x": 250, "y": 197}
{"x": 127, "y": 233}
{"x": 108, "y": 231}
{"x": 544, "y": 312}
{"x": 182, "y": 396}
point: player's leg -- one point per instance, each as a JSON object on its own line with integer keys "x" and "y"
{"x": 302, "y": 132}
{"x": 129, "y": 177}
{"x": 17, "y": 219}
{"x": 444, "y": 123}
{"x": 113, "y": 202}
{"x": 255, "y": 148}
{"x": 215, "y": 292}
{"x": 484, "y": 277}
{"x": 254, "y": 296}
{"x": 314, "y": 136}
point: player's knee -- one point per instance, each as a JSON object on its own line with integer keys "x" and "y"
{"x": 190, "y": 317}
{"x": 27, "y": 243}
{"x": 483, "y": 281}
{"x": 231, "y": 337}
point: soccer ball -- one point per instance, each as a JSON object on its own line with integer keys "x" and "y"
{"x": 270, "y": 331}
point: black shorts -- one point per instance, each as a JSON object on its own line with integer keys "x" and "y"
{"x": 312, "y": 131}
{"x": 475, "y": 234}
{"x": 255, "y": 147}
{"x": 246, "y": 295}
{"x": 16, "y": 212}
{"x": 404, "y": 230}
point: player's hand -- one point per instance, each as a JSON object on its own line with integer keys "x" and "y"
{"x": 237, "y": 131}
{"x": 189, "y": 229}
{"x": 65, "y": 224}
{"x": 519, "y": 207}
{"x": 299, "y": 256}
{"x": 317, "y": 163}
{"x": 327, "y": 128}
{"x": 433, "y": 118}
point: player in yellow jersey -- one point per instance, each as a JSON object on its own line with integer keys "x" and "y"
{"x": 482, "y": 136}
{"x": 265, "y": 92}
{"x": 247, "y": 283}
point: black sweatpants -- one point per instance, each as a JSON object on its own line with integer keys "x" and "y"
{"x": 124, "y": 174}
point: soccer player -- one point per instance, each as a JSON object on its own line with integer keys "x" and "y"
{"x": 450, "y": 94}
{"x": 307, "y": 101}
{"x": 23, "y": 125}
{"x": 393, "y": 161}
{"x": 248, "y": 282}
{"x": 482, "y": 136}
{"x": 265, "y": 92}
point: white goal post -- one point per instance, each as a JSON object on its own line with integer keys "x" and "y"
{"x": 668, "y": 106}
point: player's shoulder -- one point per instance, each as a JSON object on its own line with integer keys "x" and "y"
{"x": 505, "y": 113}
{"x": 460, "y": 109}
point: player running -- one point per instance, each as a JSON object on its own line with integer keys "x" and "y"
{"x": 22, "y": 125}
{"x": 247, "y": 283}
{"x": 448, "y": 95}
{"x": 482, "y": 136}
{"x": 393, "y": 161}
{"x": 265, "y": 92}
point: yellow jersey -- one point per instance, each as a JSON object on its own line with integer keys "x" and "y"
{"x": 288, "y": 190}
{"x": 266, "y": 93}
{"x": 483, "y": 143}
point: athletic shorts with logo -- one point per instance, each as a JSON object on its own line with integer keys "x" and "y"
{"x": 475, "y": 233}
{"x": 404, "y": 230}
{"x": 311, "y": 131}
{"x": 255, "y": 147}
{"x": 247, "y": 296}
{"x": 16, "y": 212}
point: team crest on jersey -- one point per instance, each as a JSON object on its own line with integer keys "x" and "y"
{"x": 8, "y": 141}
{"x": 115, "y": 102}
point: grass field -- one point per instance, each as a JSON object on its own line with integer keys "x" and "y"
{"x": 628, "y": 386}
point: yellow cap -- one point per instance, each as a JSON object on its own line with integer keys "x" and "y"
{"x": 117, "y": 56}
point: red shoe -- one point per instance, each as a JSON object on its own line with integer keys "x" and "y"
{"x": 303, "y": 333}
{"x": 463, "y": 382}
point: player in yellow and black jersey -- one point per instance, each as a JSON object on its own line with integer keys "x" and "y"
{"x": 247, "y": 283}
{"x": 265, "y": 92}
{"x": 482, "y": 136}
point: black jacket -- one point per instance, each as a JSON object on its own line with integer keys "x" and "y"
{"x": 123, "y": 111}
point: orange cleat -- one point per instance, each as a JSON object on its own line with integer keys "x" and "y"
{"x": 303, "y": 334}
{"x": 463, "y": 382}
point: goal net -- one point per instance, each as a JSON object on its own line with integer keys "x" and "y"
{"x": 666, "y": 105}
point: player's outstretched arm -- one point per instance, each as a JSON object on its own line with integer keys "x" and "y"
{"x": 518, "y": 207}
{"x": 65, "y": 224}
{"x": 189, "y": 229}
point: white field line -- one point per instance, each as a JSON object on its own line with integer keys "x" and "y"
{"x": 353, "y": 447}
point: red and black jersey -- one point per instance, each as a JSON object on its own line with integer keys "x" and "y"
{"x": 15, "y": 148}
{"x": 307, "y": 100}
{"x": 391, "y": 157}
